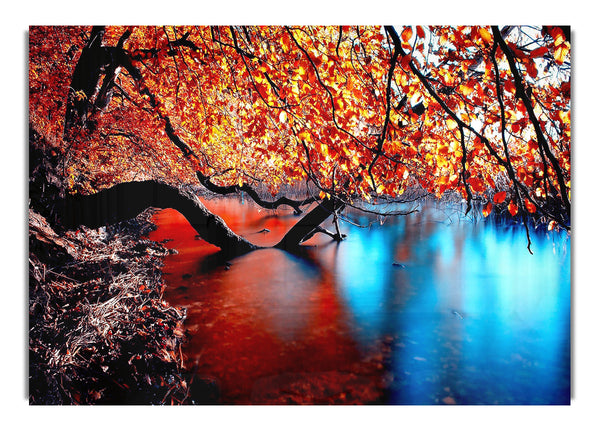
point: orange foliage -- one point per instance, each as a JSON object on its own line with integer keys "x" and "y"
{"x": 277, "y": 105}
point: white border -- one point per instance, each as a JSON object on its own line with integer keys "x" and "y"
{"x": 19, "y": 15}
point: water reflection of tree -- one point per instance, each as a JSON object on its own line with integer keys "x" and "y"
{"x": 238, "y": 343}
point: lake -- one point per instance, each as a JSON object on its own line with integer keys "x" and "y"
{"x": 429, "y": 308}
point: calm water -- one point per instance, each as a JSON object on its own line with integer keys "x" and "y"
{"x": 425, "y": 309}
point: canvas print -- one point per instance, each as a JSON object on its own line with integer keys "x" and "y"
{"x": 308, "y": 215}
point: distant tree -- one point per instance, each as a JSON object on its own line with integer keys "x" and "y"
{"x": 356, "y": 114}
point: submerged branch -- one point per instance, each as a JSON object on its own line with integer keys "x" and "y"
{"x": 310, "y": 223}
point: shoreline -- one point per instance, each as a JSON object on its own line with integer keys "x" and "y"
{"x": 100, "y": 331}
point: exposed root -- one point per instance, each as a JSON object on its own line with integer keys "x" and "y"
{"x": 99, "y": 330}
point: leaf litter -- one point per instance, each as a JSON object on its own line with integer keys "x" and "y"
{"x": 100, "y": 331}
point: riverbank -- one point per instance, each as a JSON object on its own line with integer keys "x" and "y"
{"x": 99, "y": 329}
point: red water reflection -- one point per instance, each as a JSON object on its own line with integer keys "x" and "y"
{"x": 268, "y": 326}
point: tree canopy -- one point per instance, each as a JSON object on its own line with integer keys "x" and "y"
{"x": 359, "y": 114}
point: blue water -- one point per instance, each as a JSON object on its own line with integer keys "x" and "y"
{"x": 474, "y": 318}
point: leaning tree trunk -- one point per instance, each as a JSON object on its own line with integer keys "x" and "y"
{"x": 127, "y": 200}
{"x": 309, "y": 224}
{"x": 90, "y": 92}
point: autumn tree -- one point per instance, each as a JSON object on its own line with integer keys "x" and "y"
{"x": 351, "y": 116}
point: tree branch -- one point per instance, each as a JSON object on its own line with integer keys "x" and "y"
{"x": 127, "y": 200}
{"x": 305, "y": 228}
{"x": 511, "y": 172}
{"x": 461, "y": 124}
{"x": 542, "y": 142}
{"x": 388, "y": 92}
{"x": 225, "y": 190}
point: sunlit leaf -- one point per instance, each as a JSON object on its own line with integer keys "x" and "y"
{"x": 467, "y": 89}
{"x": 485, "y": 34}
{"x": 406, "y": 34}
{"x": 499, "y": 197}
{"x": 560, "y": 54}
{"x": 451, "y": 123}
{"x": 530, "y": 206}
{"x": 487, "y": 209}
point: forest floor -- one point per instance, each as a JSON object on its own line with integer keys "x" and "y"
{"x": 99, "y": 329}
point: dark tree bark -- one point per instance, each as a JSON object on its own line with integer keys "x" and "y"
{"x": 308, "y": 225}
{"x": 295, "y": 204}
{"x": 85, "y": 79}
{"x": 93, "y": 77}
{"x": 127, "y": 200}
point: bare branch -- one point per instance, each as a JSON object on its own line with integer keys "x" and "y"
{"x": 541, "y": 138}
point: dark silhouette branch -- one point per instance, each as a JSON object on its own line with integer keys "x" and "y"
{"x": 461, "y": 124}
{"x": 126, "y": 200}
{"x": 319, "y": 229}
{"x": 510, "y": 170}
{"x": 226, "y": 190}
{"x": 310, "y": 223}
{"x": 541, "y": 138}
{"x": 388, "y": 96}
{"x": 339, "y": 41}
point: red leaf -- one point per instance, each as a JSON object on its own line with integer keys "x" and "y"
{"x": 512, "y": 208}
{"x": 530, "y": 206}
{"x": 487, "y": 209}
{"x": 565, "y": 89}
{"x": 558, "y": 35}
{"x": 405, "y": 60}
{"x": 499, "y": 197}
{"x": 477, "y": 184}
{"x": 532, "y": 70}
{"x": 509, "y": 86}
{"x": 406, "y": 34}
{"x": 539, "y": 52}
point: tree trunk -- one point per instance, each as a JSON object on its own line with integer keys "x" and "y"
{"x": 86, "y": 76}
{"x": 307, "y": 224}
{"x": 127, "y": 200}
